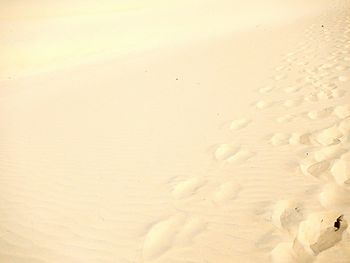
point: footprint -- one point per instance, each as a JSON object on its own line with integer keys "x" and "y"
{"x": 344, "y": 126}
{"x": 297, "y": 138}
{"x": 293, "y": 102}
{"x": 346, "y": 156}
{"x": 262, "y": 104}
{"x": 285, "y": 118}
{"x": 240, "y": 156}
{"x": 314, "y": 168}
{"x": 340, "y": 68}
{"x": 319, "y": 114}
{"x": 266, "y": 89}
{"x": 328, "y": 86}
{"x": 290, "y": 54}
{"x": 239, "y": 124}
{"x": 187, "y": 188}
{"x": 279, "y": 68}
{"x": 284, "y": 253}
{"x": 329, "y": 152}
{"x": 337, "y": 93}
{"x": 291, "y": 59}
{"x": 343, "y": 78}
{"x": 161, "y": 237}
{"x": 280, "y": 77}
{"x": 341, "y": 172}
{"x": 342, "y": 111}
{"x": 324, "y": 95}
{"x": 291, "y": 89}
{"x": 280, "y": 139}
{"x": 226, "y": 192}
{"x": 312, "y": 97}
{"x": 189, "y": 230}
{"x": 329, "y": 136}
{"x": 321, "y": 231}
{"x": 302, "y": 63}
{"x": 286, "y": 215}
{"x": 224, "y": 151}
{"x": 178, "y": 230}
{"x": 310, "y": 79}
{"x": 327, "y": 65}
{"x": 334, "y": 196}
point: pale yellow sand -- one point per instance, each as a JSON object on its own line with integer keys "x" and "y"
{"x": 212, "y": 131}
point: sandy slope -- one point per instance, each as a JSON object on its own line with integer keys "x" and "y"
{"x": 47, "y": 35}
{"x": 203, "y": 148}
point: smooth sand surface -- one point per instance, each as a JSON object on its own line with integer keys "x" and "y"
{"x": 174, "y": 131}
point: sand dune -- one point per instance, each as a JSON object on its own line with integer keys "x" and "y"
{"x": 175, "y": 131}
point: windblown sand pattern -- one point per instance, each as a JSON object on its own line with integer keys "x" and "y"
{"x": 227, "y": 147}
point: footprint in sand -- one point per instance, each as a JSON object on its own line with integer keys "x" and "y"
{"x": 343, "y": 78}
{"x": 160, "y": 237}
{"x": 342, "y": 111}
{"x": 320, "y": 114}
{"x": 320, "y": 162}
{"x": 328, "y": 86}
{"x": 311, "y": 167}
{"x": 191, "y": 228}
{"x": 300, "y": 138}
{"x": 312, "y": 97}
{"x": 178, "y": 230}
{"x": 239, "y": 124}
{"x": 337, "y": 93}
{"x": 329, "y": 136}
{"x": 327, "y": 66}
{"x": 280, "y": 139}
{"x": 280, "y": 68}
{"x": 340, "y": 68}
{"x": 289, "y": 60}
{"x": 266, "y": 89}
{"x": 187, "y": 188}
{"x": 334, "y": 196}
{"x": 232, "y": 154}
{"x": 329, "y": 152}
{"x": 240, "y": 156}
{"x": 310, "y": 79}
{"x": 323, "y": 95}
{"x": 302, "y": 63}
{"x": 286, "y": 215}
{"x": 280, "y": 77}
{"x": 293, "y": 102}
{"x": 285, "y": 118}
{"x": 320, "y": 231}
{"x": 224, "y": 151}
{"x": 262, "y": 104}
{"x": 292, "y": 89}
{"x": 344, "y": 126}
{"x": 341, "y": 171}
{"x": 284, "y": 252}
{"x": 226, "y": 192}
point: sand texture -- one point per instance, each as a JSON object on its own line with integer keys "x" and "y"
{"x": 175, "y": 131}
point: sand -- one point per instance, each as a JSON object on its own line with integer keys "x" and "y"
{"x": 175, "y": 131}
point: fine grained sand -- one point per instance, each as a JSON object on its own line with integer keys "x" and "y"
{"x": 223, "y": 145}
